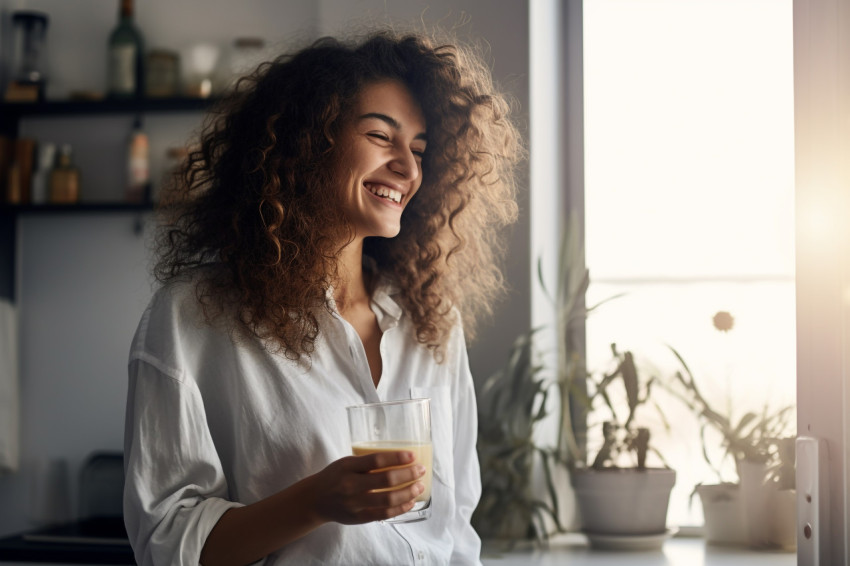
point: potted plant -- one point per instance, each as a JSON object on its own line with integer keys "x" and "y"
{"x": 621, "y": 501}
{"x": 759, "y": 509}
{"x": 617, "y": 493}
{"x": 511, "y": 404}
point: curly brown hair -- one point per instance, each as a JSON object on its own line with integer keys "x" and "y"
{"x": 252, "y": 198}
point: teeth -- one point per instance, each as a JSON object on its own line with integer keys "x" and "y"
{"x": 385, "y": 192}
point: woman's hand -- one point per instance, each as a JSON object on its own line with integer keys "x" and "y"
{"x": 344, "y": 492}
{"x": 347, "y": 490}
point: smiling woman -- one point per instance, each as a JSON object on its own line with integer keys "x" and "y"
{"x": 311, "y": 257}
{"x": 381, "y": 164}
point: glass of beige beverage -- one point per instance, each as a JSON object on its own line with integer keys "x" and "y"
{"x": 394, "y": 426}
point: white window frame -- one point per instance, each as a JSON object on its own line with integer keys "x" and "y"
{"x": 822, "y": 156}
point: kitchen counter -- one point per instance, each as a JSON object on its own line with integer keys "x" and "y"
{"x": 573, "y": 549}
{"x": 91, "y": 541}
{"x": 569, "y": 549}
{"x": 16, "y": 551}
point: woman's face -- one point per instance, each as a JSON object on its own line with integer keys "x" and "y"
{"x": 380, "y": 168}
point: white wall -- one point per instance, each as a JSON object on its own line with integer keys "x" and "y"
{"x": 83, "y": 280}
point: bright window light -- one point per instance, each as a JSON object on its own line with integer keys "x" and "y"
{"x": 689, "y": 203}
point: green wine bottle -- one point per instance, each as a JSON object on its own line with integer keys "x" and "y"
{"x": 126, "y": 55}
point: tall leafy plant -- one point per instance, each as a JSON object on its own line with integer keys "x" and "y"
{"x": 580, "y": 391}
{"x": 571, "y": 284}
{"x": 511, "y": 404}
{"x": 607, "y": 404}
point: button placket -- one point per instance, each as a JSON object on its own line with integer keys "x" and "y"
{"x": 358, "y": 355}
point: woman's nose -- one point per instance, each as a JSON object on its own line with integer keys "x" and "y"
{"x": 405, "y": 165}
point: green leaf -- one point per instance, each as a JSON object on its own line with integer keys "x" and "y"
{"x": 630, "y": 381}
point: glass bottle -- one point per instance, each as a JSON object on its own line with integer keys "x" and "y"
{"x": 65, "y": 178}
{"x": 41, "y": 176}
{"x": 126, "y": 55}
{"x": 138, "y": 165}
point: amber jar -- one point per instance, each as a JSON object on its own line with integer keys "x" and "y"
{"x": 64, "y": 179}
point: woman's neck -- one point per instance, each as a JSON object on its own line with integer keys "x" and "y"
{"x": 351, "y": 288}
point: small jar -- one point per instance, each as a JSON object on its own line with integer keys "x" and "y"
{"x": 246, "y": 55}
{"x": 163, "y": 74}
{"x": 242, "y": 58}
{"x": 65, "y": 178}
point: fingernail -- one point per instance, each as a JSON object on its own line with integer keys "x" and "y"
{"x": 408, "y": 457}
{"x": 420, "y": 469}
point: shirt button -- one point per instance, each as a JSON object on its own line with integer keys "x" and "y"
{"x": 421, "y": 555}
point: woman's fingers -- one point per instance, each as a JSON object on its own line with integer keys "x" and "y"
{"x": 382, "y": 470}
{"x": 360, "y": 489}
{"x": 383, "y": 513}
{"x": 393, "y": 501}
{"x": 393, "y": 478}
{"x": 378, "y": 460}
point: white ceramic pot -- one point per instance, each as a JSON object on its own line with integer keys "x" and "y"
{"x": 623, "y": 501}
{"x": 770, "y": 514}
{"x": 723, "y": 510}
{"x": 783, "y": 515}
{"x": 756, "y": 497}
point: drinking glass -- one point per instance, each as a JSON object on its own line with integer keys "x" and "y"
{"x": 393, "y": 426}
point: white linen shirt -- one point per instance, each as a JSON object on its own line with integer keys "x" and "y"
{"x": 214, "y": 422}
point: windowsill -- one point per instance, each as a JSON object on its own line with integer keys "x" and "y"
{"x": 572, "y": 549}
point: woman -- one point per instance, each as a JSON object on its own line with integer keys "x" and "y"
{"x": 331, "y": 239}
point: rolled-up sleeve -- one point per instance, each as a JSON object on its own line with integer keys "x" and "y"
{"x": 175, "y": 488}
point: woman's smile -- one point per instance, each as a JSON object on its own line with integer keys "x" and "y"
{"x": 384, "y": 193}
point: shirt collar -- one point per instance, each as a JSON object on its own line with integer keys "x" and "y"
{"x": 384, "y": 304}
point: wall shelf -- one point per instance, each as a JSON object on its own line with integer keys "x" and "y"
{"x": 104, "y": 207}
{"x": 14, "y": 110}
{"x": 12, "y": 113}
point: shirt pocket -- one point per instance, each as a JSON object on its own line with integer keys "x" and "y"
{"x": 442, "y": 427}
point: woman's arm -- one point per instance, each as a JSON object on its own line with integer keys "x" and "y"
{"x": 343, "y": 492}
{"x": 176, "y": 496}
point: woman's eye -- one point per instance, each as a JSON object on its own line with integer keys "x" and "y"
{"x": 379, "y": 135}
{"x": 418, "y": 152}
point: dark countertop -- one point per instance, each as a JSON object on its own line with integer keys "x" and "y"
{"x": 98, "y": 541}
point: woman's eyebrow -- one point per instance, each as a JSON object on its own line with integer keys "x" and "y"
{"x": 392, "y": 122}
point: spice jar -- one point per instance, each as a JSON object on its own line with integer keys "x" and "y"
{"x": 65, "y": 178}
{"x": 163, "y": 73}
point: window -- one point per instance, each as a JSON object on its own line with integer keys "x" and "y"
{"x": 689, "y": 202}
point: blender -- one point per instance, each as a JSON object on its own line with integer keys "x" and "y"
{"x": 28, "y": 78}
